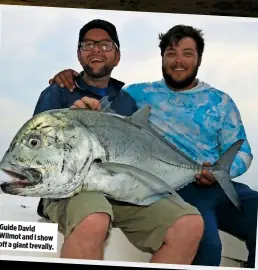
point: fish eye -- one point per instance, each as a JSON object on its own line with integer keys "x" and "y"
{"x": 34, "y": 142}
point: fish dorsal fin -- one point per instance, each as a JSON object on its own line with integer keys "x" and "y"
{"x": 141, "y": 116}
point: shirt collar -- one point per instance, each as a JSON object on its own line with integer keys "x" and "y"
{"x": 114, "y": 86}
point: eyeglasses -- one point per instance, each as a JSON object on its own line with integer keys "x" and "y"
{"x": 104, "y": 45}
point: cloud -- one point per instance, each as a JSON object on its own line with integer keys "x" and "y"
{"x": 38, "y": 42}
{"x": 225, "y": 67}
{"x": 14, "y": 114}
{"x": 0, "y": 28}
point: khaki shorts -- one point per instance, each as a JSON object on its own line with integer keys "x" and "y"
{"x": 144, "y": 226}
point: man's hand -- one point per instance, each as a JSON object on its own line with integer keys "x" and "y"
{"x": 205, "y": 178}
{"x": 65, "y": 78}
{"x": 87, "y": 103}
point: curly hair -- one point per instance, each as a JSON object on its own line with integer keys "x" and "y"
{"x": 178, "y": 32}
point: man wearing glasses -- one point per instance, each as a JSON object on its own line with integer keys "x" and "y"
{"x": 170, "y": 229}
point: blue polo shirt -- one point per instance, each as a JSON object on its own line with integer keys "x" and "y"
{"x": 55, "y": 97}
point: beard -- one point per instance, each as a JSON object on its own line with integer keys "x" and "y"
{"x": 175, "y": 84}
{"x": 103, "y": 72}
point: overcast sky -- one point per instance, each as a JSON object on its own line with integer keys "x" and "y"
{"x": 38, "y": 42}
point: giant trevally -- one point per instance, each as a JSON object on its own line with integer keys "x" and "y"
{"x": 58, "y": 153}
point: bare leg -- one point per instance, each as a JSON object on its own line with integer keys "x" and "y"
{"x": 87, "y": 239}
{"x": 181, "y": 241}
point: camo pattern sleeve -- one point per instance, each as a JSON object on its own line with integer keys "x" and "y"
{"x": 232, "y": 129}
{"x": 202, "y": 122}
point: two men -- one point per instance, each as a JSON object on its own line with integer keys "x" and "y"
{"x": 203, "y": 122}
{"x": 170, "y": 228}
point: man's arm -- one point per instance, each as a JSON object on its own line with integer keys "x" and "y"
{"x": 232, "y": 129}
{"x": 65, "y": 78}
{"x": 49, "y": 99}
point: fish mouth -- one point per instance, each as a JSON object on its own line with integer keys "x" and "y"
{"x": 21, "y": 178}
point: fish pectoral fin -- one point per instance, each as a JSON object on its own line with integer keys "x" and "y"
{"x": 147, "y": 178}
{"x": 123, "y": 168}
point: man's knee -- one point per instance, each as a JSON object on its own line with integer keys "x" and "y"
{"x": 95, "y": 227}
{"x": 188, "y": 226}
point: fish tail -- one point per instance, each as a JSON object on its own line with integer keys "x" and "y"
{"x": 221, "y": 171}
{"x": 228, "y": 157}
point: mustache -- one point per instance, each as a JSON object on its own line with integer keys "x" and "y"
{"x": 94, "y": 55}
{"x": 178, "y": 66}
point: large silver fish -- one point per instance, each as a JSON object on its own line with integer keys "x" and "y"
{"x": 59, "y": 153}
